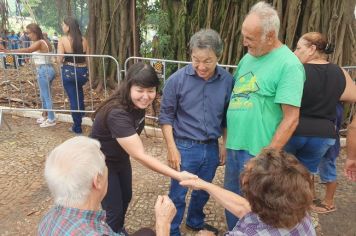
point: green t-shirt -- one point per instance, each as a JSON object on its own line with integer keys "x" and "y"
{"x": 261, "y": 85}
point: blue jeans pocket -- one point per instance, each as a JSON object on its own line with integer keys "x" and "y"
{"x": 72, "y": 74}
{"x": 184, "y": 144}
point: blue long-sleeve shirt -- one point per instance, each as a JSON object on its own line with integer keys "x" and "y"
{"x": 196, "y": 108}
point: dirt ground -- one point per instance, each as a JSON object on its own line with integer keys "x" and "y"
{"x": 24, "y": 197}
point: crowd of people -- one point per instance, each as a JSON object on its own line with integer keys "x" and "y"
{"x": 277, "y": 117}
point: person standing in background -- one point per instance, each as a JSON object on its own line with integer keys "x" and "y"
{"x": 74, "y": 69}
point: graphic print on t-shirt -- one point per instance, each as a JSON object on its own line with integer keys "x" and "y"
{"x": 138, "y": 123}
{"x": 245, "y": 85}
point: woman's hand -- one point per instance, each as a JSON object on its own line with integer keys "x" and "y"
{"x": 184, "y": 175}
{"x": 194, "y": 183}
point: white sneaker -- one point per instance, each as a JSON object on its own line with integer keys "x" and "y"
{"x": 40, "y": 120}
{"x": 48, "y": 123}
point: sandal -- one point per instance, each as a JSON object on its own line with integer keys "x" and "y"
{"x": 322, "y": 208}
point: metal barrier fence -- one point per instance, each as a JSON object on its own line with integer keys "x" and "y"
{"x": 22, "y": 90}
{"x": 17, "y": 97}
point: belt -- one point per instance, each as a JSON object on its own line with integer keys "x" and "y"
{"x": 199, "y": 141}
{"x": 75, "y": 64}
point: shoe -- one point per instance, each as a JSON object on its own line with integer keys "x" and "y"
{"x": 204, "y": 227}
{"x": 71, "y": 130}
{"x": 322, "y": 208}
{"x": 40, "y": 120}
{"x": 48, "y": 123}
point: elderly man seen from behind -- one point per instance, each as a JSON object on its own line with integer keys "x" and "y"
{"x": 77, "y": 177}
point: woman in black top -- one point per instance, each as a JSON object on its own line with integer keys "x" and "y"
{"x": 326, "y": 84}
{"x": 74, "y": 69}
{"x": 118, "y": 123}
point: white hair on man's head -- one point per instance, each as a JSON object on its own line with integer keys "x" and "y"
{"x": 70, "y": 169}
{"x": 268, "y": 15}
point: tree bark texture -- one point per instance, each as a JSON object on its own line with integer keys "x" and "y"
{"x": 334, "y": 18}
{"x": 109, "y": 33}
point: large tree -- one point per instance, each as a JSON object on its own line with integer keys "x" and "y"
{"x": 333, "y": 18}
{"x": 110, "y": 32}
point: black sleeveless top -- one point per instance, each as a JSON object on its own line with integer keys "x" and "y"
{"x": 323, "y": 88}
{"x": 73, "y": 59}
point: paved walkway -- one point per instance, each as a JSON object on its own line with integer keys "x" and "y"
{"x": 24, "y": 197}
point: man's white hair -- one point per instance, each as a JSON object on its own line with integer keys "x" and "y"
{"x": 268, "y": 15}
{"x": 70, "y": 169}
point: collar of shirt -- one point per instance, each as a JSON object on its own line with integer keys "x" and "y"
{"x": 78, "y": 213}
{"x": 217, "y": 75}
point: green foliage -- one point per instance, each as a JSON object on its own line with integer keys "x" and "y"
{"x": 155, "y": 20}
{"x": 49, "y": 17}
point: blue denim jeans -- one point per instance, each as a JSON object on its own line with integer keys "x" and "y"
{"x": 74, "y": 79}
{"x": 45, "y": 77}
{"x": 199, "y": 159}
{"x": 327, "y": 166}
{"x": 309, "y": 150}
{"x": 235, "y": 163}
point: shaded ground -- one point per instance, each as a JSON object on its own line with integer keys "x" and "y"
{"x": 24, "y": 198}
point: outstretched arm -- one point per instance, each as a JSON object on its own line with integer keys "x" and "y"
{"x": 134, "y": 147}
{"x": 234, "y": 203}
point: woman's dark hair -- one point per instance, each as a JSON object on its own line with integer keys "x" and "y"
{"x": 139, "y": 74}
{"x": 75, "y": 34}
{"x": 320, "y": 42}
{"x": 35, "y": 29}
{"x": 278, "y": 188}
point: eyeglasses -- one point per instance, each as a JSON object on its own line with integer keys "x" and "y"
{"x": 196, "y": 62}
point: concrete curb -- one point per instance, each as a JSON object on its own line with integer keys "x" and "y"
{"x": 149, "y": 130}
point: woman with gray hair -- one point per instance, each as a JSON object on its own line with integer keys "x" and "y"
{"x": 192, "y": 116}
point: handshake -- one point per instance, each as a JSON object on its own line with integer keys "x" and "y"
{"x": 165, "y": 209}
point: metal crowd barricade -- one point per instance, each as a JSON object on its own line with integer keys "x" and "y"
{"x": 20, "y": 88}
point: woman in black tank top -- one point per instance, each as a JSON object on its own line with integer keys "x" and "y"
{"x": 74, "y": 69}
{"x": 315, "y": 141}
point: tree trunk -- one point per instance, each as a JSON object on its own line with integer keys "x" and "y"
{"x": 333, "y": 18}
{"x": 109, "y": 33}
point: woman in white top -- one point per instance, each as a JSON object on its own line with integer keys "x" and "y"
{"x": 45, "y": 71}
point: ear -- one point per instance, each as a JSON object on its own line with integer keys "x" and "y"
{"x": 312, "y": 50}
{"x": 97, "y": 181}
{"x": 270, "y": 36}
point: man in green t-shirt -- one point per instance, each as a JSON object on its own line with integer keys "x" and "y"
{"x": 265, "y": 101}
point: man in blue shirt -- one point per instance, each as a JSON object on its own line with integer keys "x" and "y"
{"x": 192, "y": 116}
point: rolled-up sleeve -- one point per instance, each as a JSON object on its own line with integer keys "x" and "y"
{"x": 168, "y": 103}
